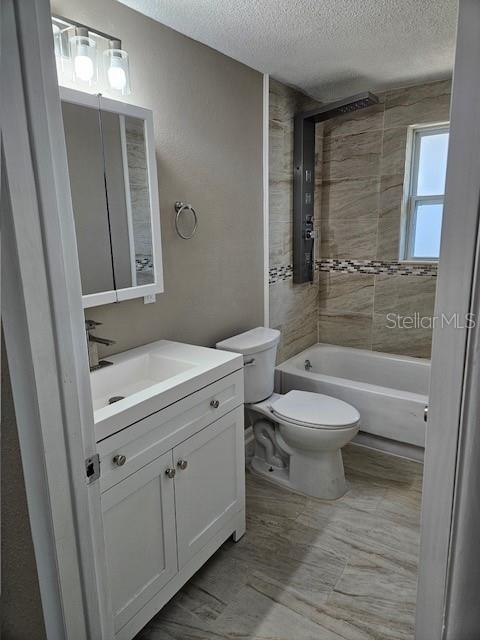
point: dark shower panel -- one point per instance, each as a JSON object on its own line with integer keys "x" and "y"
{"x": 304, "y": 179}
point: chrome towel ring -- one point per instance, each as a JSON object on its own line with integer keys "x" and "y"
{"x": 182, "y": 207}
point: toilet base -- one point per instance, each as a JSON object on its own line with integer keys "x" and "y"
{"x": 320, "y": 475}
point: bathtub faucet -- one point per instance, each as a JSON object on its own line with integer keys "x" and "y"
{"x": 308, "y": 365}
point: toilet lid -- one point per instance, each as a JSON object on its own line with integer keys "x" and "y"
{"x": 315, "y": 410}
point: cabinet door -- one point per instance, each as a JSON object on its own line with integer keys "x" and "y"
{"x": 83, "y": 137}
{"x": 139, "y": 524}
{"x": 211, "y": 488}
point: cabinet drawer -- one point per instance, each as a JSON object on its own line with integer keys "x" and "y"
{"x": 149, "y": 438}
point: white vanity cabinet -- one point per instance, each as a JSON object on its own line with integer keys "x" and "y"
{"x": 173, "y": 490}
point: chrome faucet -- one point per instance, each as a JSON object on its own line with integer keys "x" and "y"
{"x": 308, "y": 365}
{"x": 92, "y": 345}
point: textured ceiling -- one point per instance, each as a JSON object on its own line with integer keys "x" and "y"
{"x": 328, "y": 48}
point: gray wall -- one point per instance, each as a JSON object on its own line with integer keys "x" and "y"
{"x": 208, "y": 124}
{"x": 21, "y": 609}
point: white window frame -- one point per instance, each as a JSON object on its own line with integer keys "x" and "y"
{"x": 410, "y": 199}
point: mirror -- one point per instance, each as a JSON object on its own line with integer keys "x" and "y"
{"x": 115, "y": 202}
{"x": 86, "y": 168}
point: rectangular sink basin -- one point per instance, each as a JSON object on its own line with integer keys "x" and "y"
{"x": 127, "y": 377}
{"x": 144, "y": 380}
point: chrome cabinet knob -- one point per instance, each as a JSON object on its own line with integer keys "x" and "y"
{"x": 170, "y": 473}
{"x": 182, "y": 464}
{"x": 215, "y": 404}
{"x": 119, "y": 460}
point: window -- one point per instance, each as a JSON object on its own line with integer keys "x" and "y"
{"x": 424, "y": 192}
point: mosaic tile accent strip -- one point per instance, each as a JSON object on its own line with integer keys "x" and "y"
{"x": 374, "y": 267}
{"x": 278, "y": 273}
{"x": 377, "y": 266}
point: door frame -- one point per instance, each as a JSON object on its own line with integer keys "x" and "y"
{"x": 450, "y": 408}
{"x": 44, "y": 333}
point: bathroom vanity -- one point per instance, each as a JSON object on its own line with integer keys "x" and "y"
{"x": 172, "y": 470}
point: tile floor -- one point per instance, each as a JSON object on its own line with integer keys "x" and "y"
{"x": 309, "y": 569}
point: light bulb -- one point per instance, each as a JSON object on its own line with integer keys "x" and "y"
{"x": 117, "y": 77}
{"x": 83, "y": 68}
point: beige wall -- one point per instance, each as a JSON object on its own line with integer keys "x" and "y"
{"x": 208, "y": 124}
{"x": 363, "y": 173}
{"x": 293, "y": 308}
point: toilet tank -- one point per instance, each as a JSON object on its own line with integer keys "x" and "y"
{"x": 259, "y": 349}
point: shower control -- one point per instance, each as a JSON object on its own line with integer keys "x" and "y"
{"x": 309, "y": 231}
{"x": 304, "y": 178}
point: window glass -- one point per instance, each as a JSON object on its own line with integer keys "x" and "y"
{"x": 424, "y": 192}
{"x": 432, "y": 164}
{"x": 428, "y": 227}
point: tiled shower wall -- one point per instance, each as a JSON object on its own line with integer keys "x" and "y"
{"x": 359, "y": 185}
{"x": 293, "y": 308}
{"x": 362, "y": 186}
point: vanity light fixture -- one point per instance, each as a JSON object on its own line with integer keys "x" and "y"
{"x": 89, "y": 59}
{"x": 83, "y": 50}
{"x": 117, "y": 68}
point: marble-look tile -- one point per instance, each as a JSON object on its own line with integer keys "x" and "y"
{"x": 346, "y": 239}
{"x": 369, "y": 119}
{"x": 350, "y": 199}
{"x": 390, "y": 338}
{"x": 345, "y": 292}
{"x": 394, "y": 151}
{"x": 405, "y": 295}
{"x": 290, "y": 302}
{"x": 280, "y": 243}
{"x": 361, "y": 618}
{"x": 418, "y": 104}
{"x": 349, "y": 330}
{"x": 298, "y": 334}
{"x": 281, "y": 199}
{"x": 268, "y": 499}
{"x": 352, "y": 156}
{"x": 259, "y": 616}
{"x": 389, "y": 218}
{"x": 280, "y": 146}
{"x": 379, "y": 576}
{"x": 283, "y": 100}
{"x": 391, "y": 471}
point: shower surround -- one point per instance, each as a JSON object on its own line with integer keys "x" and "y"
{"x": 360, "y": 164}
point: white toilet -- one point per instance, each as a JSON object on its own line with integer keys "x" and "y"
{"x": 298, "y": 436}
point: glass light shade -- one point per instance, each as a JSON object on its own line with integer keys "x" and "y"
{"x": 117, "y": 71}
{"x": 62, "y": 52}
{"x": 84, "y": 56}
{"x": 57, "y": 45}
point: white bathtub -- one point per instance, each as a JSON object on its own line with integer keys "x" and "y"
{"x": 389, "y": 391}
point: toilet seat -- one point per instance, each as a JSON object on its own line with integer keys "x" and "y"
{"x": 314, "y": 410}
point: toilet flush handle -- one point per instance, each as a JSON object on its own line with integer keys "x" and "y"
{"x": 249, "y": 363}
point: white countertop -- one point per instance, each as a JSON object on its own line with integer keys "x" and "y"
{"x": 152, "y": 377}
